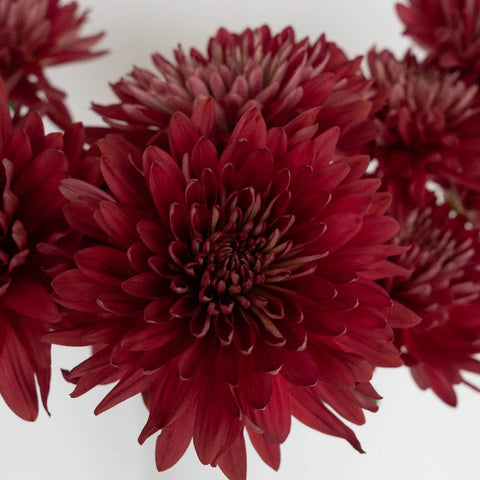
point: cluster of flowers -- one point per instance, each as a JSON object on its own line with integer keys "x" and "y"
{"x": 225, "y": 243}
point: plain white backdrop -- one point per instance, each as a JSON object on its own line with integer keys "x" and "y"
{"x": 413, "y": 436}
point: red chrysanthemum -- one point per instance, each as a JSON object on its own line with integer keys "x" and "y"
{"x": 37, "y": 34}
{"x": 31, "y": 223}
{"x": 449, "y": 30}
{"x": 428, "y": 128}
{"x": 232, "y": 286}
{"x": 274, "y": 73}
{"x": 442, "y": 287}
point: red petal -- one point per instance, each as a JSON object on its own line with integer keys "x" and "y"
{"x": 275, "y": 419}
{"x": 39, "y": 194}
{"x": 215, "y": 413}
{"x": 377, "y": 229}
{"x": 399, "y": 316}
{"x": 250, "y": 127}
{"x": 173, "y": 442}
{"x": 325, "y": 145}
{"x": 153, "y": 236}
{"x": 74, "y": 286}
{"x": 185, "y": 307}
{"x": 204, "y": 156}
{"x": 230, "y": 364}
{"x": 266, "y": 358}
{"x": 339, "y": 368}
{"x": 268, "y": 451}
{"x": 233, "y": 462}
{"x": 130, "y": 384}
{"x": 119, "y": 302}
{"x": 343, "y": 401}
{"x": 144, "y": 285}
{"x": 148, "y": 336}
{"x": 17, "y": 383}
{"x": 316, "y": 416}
{"x": 256, "y": 389}
{"x": 203, "y": 117}
{"x": 369, "y": 292}
{"x": 340, "y": 229}
{"x": 123, "y": 178}
{"x": 195, "y": 360}
{"x": 256, "y": 170}
{"x": 166, "y": 181}
{"x": 30, "y": 298}
{"x": 78, "y": 191}
{"x": 118, "y": 222}
{"x": 182, "y": 135}
{"x": 172, "y": 399}
{"x": 300, "y": 368}
{"x": 104, "y": 264}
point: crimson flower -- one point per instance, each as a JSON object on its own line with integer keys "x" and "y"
{"x": 428, "y": 127}
{"x": 274, "y": 73}
{"x": 442, "y": 286}
{"x": 449, "y": 30}
{"x": 31, "y": 223}
{"x": 232, "y": 286}
{"x": 35, "y": 35}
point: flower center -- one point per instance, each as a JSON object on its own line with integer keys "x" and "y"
{"x": 231, "y": 264}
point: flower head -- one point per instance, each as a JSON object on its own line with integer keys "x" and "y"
{"x": 441, "y": 285}
{"x": 231, "y": 285}
{"x": 35, "y": 35}
{"x": 277, "y": 74}
{"x": 449, "y": 30}
{"x": 31, "y": 222}
{"x": 428, "y": 126}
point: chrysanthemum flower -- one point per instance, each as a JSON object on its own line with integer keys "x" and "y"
{"x": 231, "y": 286}
{"x": 428, "y": 126}
{"x": 442, "y": 286}
{"x": 449, "y": 30}
{"x": 31, "y": 222}
{"x": 274, "y": 73}
{"x": 35, "y": 35}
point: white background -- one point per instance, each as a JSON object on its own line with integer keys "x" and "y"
{"x": 413, "y": 436}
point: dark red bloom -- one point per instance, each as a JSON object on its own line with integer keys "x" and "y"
{"x": 442, "y": 286}
{"x": 35, "y": 35}
{"x": 232, "y": 286}
{"x": 31, "y": 222}
{"x": 274, "y": 73}
{"x": 428, "y": 128}
{"x": 449, "y": 30}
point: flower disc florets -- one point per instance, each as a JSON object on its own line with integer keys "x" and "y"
{"x": 231, "y": 285}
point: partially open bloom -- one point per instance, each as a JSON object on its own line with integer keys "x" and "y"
{"x": 35, "y": 35}
{"x": 31, "y": 222}
{"x": 428, "y": 126}
{"x": 277, "y": 74}
{"x": 231, "y": 286}
{"x": 449, "y": 30}
{"x": 441, "y": 284}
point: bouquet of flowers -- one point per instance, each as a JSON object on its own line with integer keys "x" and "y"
{"x": 256, "y": 228}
